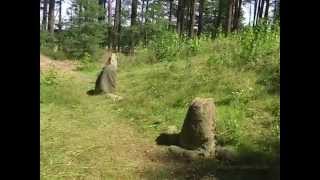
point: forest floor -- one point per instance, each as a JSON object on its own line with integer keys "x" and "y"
{"x": 94, "y": 137}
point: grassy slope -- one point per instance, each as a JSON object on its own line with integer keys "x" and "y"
{"x": 94, "y": 137}
{"x": 163, "y": 91}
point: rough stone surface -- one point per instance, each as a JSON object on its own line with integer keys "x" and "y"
{"x": 107, "y": 79}
{"x": 114, "y": 60}
{"x": 196, "y": 138}
{"x": 227, "y": 153}
{"x": 198, "y": 128}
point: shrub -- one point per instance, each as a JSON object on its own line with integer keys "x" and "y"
{"x": 269, "y": 76}
{"x": 87, "y": 63}
{"x": 47, "y": 40}
{"x": 86, "y": 38}
{"x": 255, "y": 48}
{"x": 168, "y": 46}
{"x": 49, "y": 78}
{"x": 257, "y": 43}
{"x": 57, "y": 55}
{"x": 190, "y": 47}
{"x": 165, "y": 46}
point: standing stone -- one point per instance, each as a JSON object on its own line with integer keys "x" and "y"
{"x": 114, "y": 60}
{"x": 106, "y": 81}
{"x": 197, "y": 136}
{"x": 198, "y": 128}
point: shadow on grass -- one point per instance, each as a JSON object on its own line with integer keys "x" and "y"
{"x": 248, "y": 165}
{"x": 91, "y": 92}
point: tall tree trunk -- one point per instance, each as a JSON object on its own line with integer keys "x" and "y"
{"x": 117, "y": 23}
{"x": 102, "y": 3}
{"x": 145, "y": 38}
{"x": 109, "y": 12}
{"x": 266, "y": 12}
{"x": 235, "y": 12}
{"x": 170, "y": 12}
{"x": 146, "y": 13}
{"x": 80, "y": 13}
{"x": 51, "y": 16}
{"x": 258, "y": 11}
{"x": 134, "y": 12}
{"x": 255, "y": 12}
{"x": 119, "y": 26}
{"x": 60, "y": 15}
{"x": 236, "y": 21}
{"x": 178, "y": 15}
{"x": 109, "y": 24}
{"x": 187, "y": 17}
{"x": 261, "y": 9}
{"x": 201, "y": 7}
{"x": 182, "y": 17}
{"x": 142, "y": 6}
{"x": 276, "y": 12}
{"x": 228, "y": 23}
{"x": 45, "y": 14}
{"x": 192, "y": 17}
{"x": 239, "y": 13}
{"x": 133, "y": 23}
{"x": 250, "y": 11}
{"x": 218, "y": 22}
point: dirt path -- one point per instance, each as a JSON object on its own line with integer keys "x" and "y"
{"x": 61, "y": 65}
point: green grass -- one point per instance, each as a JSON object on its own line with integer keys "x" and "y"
{"x": 85, "y": 137}
{"x": 80, "y": 134}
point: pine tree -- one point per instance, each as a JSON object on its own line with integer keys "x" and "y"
{"x": 51, "y": 17}
{"x": 200, "y": 21}
{"x": 117, "y": 26}
{"x": 191, "y": 18}
{"x": 45, "y": 15}
{"x": 60, "y": 15}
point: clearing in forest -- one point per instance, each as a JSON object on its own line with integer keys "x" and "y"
{"x": 94, "y": 137}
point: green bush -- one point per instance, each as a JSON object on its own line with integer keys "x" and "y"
{"x": 86, "y": 38}
{"x": 255, "y": 48}
{"x": 168, "y": 46}
{"x": 225, "y": 51}
{"x": 165, "y": 46}
{"x": 269, "y": 76}
{"x": 47, "y": 40}
{"x": 49, "y": 79}
{"x": 190, "y": 47}
{"x": 257, "y": 43}
{"x": 87, "y": 63}
{"x": 56, "y": 55}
